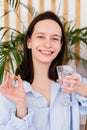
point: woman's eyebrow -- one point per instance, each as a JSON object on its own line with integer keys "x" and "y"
{"x": 57, "y": 35}
{"x": 39, "y": 33}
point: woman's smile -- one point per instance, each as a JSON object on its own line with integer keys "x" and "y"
{"x": 46, "y": 52}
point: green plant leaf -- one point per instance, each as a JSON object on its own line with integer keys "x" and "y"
{"x": 13, "y": 3}
{"x": 2, "y": 68}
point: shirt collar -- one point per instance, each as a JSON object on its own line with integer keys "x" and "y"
{"x": 55, "y": 88}
{"x": 28, "y": 89}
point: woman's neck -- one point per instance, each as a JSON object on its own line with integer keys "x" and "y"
{"x": 41, "y": 71}
{"x": 41, "y": 82}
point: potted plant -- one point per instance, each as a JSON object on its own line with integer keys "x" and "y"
{"x": 75, "y": 36}
{"x": 11, "y": 51}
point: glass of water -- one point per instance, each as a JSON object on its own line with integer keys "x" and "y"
{"x": 64, "y": 71}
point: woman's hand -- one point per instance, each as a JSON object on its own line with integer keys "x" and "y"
{"x": 16, "y": 94}
{"x": 77, "y": 86}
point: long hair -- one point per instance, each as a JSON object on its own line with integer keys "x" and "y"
{"x": 26, "y": 68}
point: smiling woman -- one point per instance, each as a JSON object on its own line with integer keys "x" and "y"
{"x": 36, "y": 90}
{"x": 45, "y": 43}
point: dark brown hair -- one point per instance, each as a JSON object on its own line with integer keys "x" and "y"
{"x": 26, "y": 68}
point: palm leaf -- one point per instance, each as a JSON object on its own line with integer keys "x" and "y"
{"x": 2, "y": 68}
{"x": 13, "y": 3}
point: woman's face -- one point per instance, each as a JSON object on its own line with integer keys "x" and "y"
{"x": 45, "y": 41}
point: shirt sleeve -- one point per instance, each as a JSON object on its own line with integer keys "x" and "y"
{"x": 81, "y": 99}
{"x": 8, "y": 120}
{"x": 82, "y": 104}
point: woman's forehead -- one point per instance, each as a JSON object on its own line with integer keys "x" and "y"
{"x": 49, "y": 26}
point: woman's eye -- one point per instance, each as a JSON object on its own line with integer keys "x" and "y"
{"x": 40, "y": 36}
{"x": 55, "y": 39}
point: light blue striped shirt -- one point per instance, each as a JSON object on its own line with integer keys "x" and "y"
{"x": 40, "y": 116}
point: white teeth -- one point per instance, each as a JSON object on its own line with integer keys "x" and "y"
{"x": 46, "y": 52}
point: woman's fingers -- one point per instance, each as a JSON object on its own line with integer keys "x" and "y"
{"x": 72, "y": 81}
{"x": 67, "y": 89}
{"x": 2, "y": 89}
{"x": 70, "y": 89}
{"x": 72, "y": 77}
{"x": 20, "y": 81}
{"x": 6, "y": 83}
{"x": 11, "y": 79}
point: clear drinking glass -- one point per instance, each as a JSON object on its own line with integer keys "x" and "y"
{"x": 63, "y": 71}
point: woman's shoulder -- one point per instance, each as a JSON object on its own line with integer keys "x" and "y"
{"x": 56, "y": 84}
{"x": 27, "y": 86}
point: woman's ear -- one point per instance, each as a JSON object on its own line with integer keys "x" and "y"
{"x": 29, "y": 43}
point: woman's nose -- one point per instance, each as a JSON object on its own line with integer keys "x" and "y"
{"x": 47, "y": 42}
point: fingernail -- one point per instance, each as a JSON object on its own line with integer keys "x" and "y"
{"x": 19, "y": 76}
